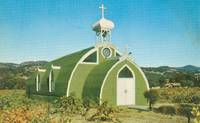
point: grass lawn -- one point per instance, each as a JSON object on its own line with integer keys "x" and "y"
{"x": 8, "y": 92}
{"x": 137, "y": 116}
{"x": 124, "y": 115}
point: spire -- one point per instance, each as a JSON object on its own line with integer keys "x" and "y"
{"x": 103, "y": 27}
{"x": 103, "y": 23}
{"x": 102, "y": 10}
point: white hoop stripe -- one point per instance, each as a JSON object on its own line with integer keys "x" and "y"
{"x": 79, "y": 62}
{"x": 146, "y": 81}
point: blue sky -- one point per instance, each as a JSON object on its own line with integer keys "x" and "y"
{"x": 158, "y": 32}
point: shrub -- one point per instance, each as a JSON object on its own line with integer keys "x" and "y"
{"x": 179, "y": 98}
{"x": 4, "y": 102}
{"x": 179, "y": 95}
{"x": 167, "y": 110}
{"x": 13, "y": 100}
{"x": 70, "y": 105}
{"x": 195, "y": 98}
{"x": 104, "y": 113}
{"x": 22, "y": 114}
{"x": 186, "y": 98}
{"x": 184, "y": 110}
{"x": 151, "y": 96}
{"x": 88, "y": 103}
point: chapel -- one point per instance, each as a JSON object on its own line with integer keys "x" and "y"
{"x": 99, "y": 73}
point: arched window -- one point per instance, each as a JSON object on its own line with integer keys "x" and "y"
{"x": 91, "y": 58}
{"x": 125, "y": 73}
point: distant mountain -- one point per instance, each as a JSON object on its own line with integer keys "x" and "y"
{"x": 189, "y": 68}
{"x": 23, "y": 64}
{"x": 33, "y": 63}
{"x": 5, "y": 65}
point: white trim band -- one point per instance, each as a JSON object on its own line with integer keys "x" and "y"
{"x": 79, "y": 62}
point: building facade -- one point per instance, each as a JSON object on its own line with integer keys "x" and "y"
{"x": 98, "y": 73}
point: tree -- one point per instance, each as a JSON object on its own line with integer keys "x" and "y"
{"x": 197, "y": 82}
{"x": 185, "y": 110}
{"x": 162, "y": 81}
{"x": 152, "y": 96}
{"x": 187, "y": 83}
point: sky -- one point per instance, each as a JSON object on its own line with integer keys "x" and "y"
{"x": 158, "y": 32}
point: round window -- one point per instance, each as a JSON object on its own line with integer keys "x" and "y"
{"x": 106, "y": 52}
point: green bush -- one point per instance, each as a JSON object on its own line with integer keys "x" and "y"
{"x": 13, "y": 100}
{"x": 152, "y": 96}
{"x": 184, "y": 110}
{"x": 167, "y": 110}
{"x": 196, "y": 99}
{"x": 179, "y": 98}
{"x": 4, "y": 102}
{"x": 88, "y": 103}
{"x": 186, "y": 98}
{"x": 70, "y": 105}
{"x": 179, "y": 95}
{"x": 104, "y": 113}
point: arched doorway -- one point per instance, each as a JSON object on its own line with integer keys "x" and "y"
{"x": 125, "y": 86}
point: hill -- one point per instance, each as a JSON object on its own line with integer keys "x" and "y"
{"x": 161, "y": 69}
{"x": 14, "y": 75}
{"x": 189, "y": 68}
{"x": 187, "y": 75}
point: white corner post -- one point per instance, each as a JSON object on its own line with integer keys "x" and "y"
{"x": 37, "y": 83}
{"x": 50, "y": 79}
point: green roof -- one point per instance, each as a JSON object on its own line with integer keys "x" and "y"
{"x": 87, "y": 78}
{"x": 67, "y": 64}
{"x": 95, "y": 79}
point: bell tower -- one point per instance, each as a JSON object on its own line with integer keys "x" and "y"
{"x": 103, "y": 28}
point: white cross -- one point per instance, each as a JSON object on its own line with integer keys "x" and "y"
{"x": 102, "y": 10}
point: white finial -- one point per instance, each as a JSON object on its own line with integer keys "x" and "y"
{"x": 102, "y": 10}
